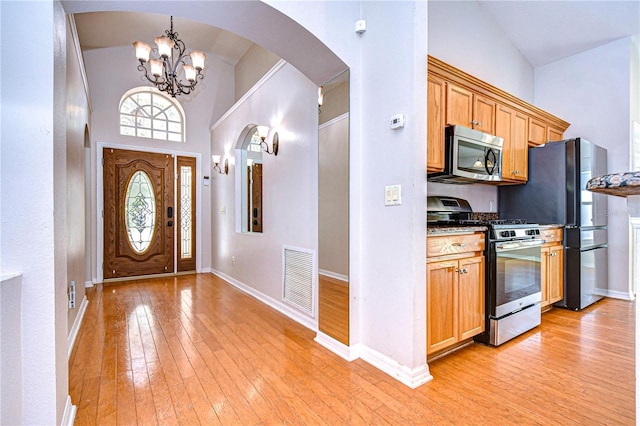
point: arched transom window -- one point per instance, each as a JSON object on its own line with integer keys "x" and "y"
{"x": 147, "y": 113}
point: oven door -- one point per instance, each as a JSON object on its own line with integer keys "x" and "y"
{"x": 517, "y": 275}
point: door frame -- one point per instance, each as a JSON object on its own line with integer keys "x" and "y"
{"x": 100, "y": 146}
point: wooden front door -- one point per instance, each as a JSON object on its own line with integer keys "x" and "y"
{"x": 139, "y": 215}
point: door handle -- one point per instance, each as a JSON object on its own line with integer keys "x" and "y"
{"x": 169, "y": 212}
{"x": 255, "y": 212}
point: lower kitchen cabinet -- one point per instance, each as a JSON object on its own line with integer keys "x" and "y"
{"x": 552, "y": 268}
{"x": 455, "y": 297}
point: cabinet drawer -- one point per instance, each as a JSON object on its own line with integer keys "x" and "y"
{"x": 454, "y": 244}
{"x": 552, "y": 235}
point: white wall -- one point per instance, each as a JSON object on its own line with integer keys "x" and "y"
{"x": 33, "y": 197}
{"x": 463, "y": 35}
{"x": 112, "y": 72}
{"x": 287, "y": 103}
{"x": 591, "y": 90}
{"x": 77, "y": 119}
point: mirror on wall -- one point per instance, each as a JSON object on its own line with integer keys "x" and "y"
{"x": 333, "y": 208}
{"x": 251, "y": 180}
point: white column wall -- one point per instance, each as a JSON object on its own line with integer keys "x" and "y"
{"x": 33, "y": 200}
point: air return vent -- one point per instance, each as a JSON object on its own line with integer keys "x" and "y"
{"x": 298, "y": 266}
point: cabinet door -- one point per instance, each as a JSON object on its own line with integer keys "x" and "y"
{"x": 537, "y": 132}
{"x": 442, "y": 310}
{"x": 435, "y": 124}
{"x": 504, "y": 129}
{"x": 544, "y": 276}
{"x": 484, "y": 114}
{"x": 556, "y": 273}
{"x": 554, "y": 134}
{"x": 520, "y": 147}
{"x": 459, "y": 106}
{"x": 471, "y": 319}
{"x": 512, "y": 125}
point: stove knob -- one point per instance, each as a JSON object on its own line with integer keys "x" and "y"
{"x": 504, "y": 233}
{"x": 513, "y": 233}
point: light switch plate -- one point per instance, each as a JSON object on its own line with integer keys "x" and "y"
{"x": 397, "y": 121}
{"x": 393, "y": 195}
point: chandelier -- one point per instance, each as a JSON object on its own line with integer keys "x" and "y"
{"x": 165, "y": 69}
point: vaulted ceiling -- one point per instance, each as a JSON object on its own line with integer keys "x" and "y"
{"x": 543, "y": 31}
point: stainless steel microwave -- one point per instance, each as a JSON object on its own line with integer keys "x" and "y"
{"x": 470, "y": 156}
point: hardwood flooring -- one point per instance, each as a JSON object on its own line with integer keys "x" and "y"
{"x": 194, "y": 350}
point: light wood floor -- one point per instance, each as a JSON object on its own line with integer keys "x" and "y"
{"x": 192, "y": 349}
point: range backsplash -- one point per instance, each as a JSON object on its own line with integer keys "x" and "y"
{"x": 484, "y": 216}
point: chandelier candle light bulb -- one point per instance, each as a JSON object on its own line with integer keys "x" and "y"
{"x": 164, "y": 72}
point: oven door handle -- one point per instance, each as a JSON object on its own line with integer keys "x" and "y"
{"x": 516, "y": 245}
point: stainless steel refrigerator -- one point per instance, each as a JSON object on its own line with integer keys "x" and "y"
{"x": 555, "y": 194}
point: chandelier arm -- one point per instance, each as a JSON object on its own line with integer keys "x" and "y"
{"x": 144, "y": 70}
{"x": 170, "y": 82}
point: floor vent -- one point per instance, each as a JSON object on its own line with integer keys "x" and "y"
{"x": 298, "y": 277}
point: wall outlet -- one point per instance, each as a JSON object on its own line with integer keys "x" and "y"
{"x": 72, "y": 295}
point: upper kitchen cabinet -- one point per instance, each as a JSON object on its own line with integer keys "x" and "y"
{"x": 512, "y": 126}
{"x": 468, "y": 109}
{"x": 541, "y": 132}
{"x": 457, "y": 98}
{"x": 436, "y": 92}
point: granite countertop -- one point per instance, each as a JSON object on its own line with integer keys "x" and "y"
{"x": 619, "y": 184}
{"x": 453, "y": 229}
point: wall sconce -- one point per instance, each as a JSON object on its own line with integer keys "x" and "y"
{"x": 262, "y": 132}
{"x": 216, "y": 165}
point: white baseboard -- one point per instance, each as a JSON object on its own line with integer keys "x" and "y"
{"x": 206, "y": 271}
{"x": 279, "y": 306}
{"x": 614, "y": 294}
{"x": 349, "y": 353}
{"x": 88, "y": 284}
{"x": 412, "y": 377}
{"x": 71, "y": 339}
{"x": 69, "y": 415}
{"x": 333, "y": 275}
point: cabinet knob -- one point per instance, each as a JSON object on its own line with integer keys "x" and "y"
{"x": 464, "y": 270}
{"x": 479, "y": 123}
{"x": 515, "y": 172}
{"x": 459, "y": 244}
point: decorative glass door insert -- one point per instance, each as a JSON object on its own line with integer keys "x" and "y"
{"x": 140, "y": 211}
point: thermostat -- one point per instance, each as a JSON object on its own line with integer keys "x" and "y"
{"x": 397, "y": 121}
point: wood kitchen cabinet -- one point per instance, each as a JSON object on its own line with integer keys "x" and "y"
{"x": 469, "y": 109}
{"x": 541, "y": 133}
{"x": 512, "y": 126}
{"x": 552, "y": 267}
{"x": 457, "y": 98}
{"x": 436, "y": 92}
{"x": 554, "y": 135}
{"x": 455, "y": 290}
